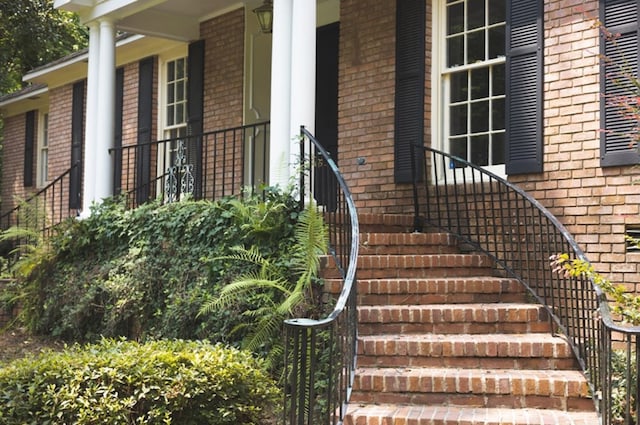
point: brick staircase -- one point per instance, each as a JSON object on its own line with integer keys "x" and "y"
{"x": 443, "y": 339}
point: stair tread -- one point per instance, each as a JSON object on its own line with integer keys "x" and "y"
{"x": 445, "y": 415}
{"x": 479, "y": 312}
{"x": 497, "y": 345}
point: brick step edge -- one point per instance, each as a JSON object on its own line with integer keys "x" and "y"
{"x": 362, "y": 414}
{"x": 552, "y": 383}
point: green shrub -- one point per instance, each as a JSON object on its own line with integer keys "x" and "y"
{"x": 140, "y": 273}
{"x": 118, "y": 382}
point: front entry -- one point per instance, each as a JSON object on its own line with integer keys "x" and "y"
{"x": 326, "y": 124}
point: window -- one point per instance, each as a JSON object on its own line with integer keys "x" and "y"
{"x": 488, "y": 82}
{"x": 43, "y": 150}
{"x": 473, "y": 80}
{"x": 176, "y": 99}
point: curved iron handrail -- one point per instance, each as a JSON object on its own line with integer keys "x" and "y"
{"x": 502, "y": 220}
{"x": 321, "y": 354}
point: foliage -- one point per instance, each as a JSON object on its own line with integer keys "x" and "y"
{"x": 118, "y": 382}
{"x": 624, "y": 304}
{"x": 139, "y": 273}
{"x": 33, "y": 33}
{"x": 289, "y": 288}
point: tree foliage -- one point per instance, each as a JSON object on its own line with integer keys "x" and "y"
{"x": 33, "y": 33}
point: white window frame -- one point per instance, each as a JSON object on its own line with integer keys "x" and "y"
{"x": 42, "y": 156}
{"x": 440, "y": 123}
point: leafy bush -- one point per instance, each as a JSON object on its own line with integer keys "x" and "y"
{"x": 118, "y": 382}
{"x": 140, "y": 273}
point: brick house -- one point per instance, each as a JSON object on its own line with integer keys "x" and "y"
{"x": 515, "y": 86}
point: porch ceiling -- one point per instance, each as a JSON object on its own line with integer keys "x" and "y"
{"x": 173, "y": 19}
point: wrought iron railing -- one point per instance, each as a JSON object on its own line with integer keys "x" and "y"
{"x": 492, "y": 215}
{"x": 204, "y": 166}
{"x": 44, "y": 209}
{"x": 320, "y": 354}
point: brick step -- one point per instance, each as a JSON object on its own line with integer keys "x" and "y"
{"x": 552, "y": 389}
{"x": 407, "y": 243}
{"x": 398, "y": 266}
{"x": 383, "y": 414}
{"x": 386, "y": 223}
{"x": 453, "y": 319}
{"x": 501, "y": 351}
{"x": 433, "y": 291}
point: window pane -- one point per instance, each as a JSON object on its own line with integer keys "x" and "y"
{"x": 497, "y": 11}
{"x": 180, "y": 95}
{"x": 170, "y": 115}
{"x": 496, "y": 42}
{"x": 180, "y": 113}
{"x": 458, "y": 120}
{"x": 480, "y": 83}
{"x": 180, "y": 71}
{"x": 479, "y": 116}
{"x": 171, "y": 93}
{"x": 480, "y": 150}
{"x": 455, "y": 18}
{"x": 171, "y": 72}
{"x": 497, "y": 114}
{"x": 476, "y": 14}
{"x": 458, "y": 147}
{"x": 459, "y": 90}
{"x": 498, "y": 80}
{"x": 476, "y": 46}
{"x": 455, "y": 51}
{"x": 497, "y": 148}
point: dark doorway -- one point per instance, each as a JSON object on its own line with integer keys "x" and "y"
{"x": 327, "y": 46}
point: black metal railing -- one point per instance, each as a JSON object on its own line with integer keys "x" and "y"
{"x": 492, "y": 215}
{"x": 45, "y": 208}
{"x": 204, "y": 166}
{"x": 321, "y": 354}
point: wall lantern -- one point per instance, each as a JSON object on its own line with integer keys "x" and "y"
{"x": 265, "y": 16}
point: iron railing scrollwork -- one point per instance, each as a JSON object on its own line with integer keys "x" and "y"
{"x": 495, "y": 216}
{"x": 320, "y": 355}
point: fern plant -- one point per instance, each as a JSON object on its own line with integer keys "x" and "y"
{"x": 289, "y": 291}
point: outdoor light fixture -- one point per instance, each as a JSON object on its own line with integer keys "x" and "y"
{"x": 265, "y": 16}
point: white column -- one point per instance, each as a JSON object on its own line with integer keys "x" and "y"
{"x": 280, "y": 139}
{"x": 90, "y": 132}
{"x": 103, "y": 167}
{"x": 303, "y": 76}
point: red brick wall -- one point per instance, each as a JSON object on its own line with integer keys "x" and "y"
{"x": 366, "y": 103}
{"x": 595, "y": 203}
{"x": 223, "y": 97}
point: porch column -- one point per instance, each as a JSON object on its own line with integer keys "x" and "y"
{"x": 90, "y": 131}
{"x": 303, "y": 76}
{"x": 280, "y": 139}
{"x": 103, "y": 166}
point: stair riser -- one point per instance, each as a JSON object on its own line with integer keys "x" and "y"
{"x": 486, "y": 349}
{"x": 453, "y": 298}
{"x": 406, "y": 250}
{"x": 478, "y": 401}
{"x": 453, "y": 328}
{"x": 413, "y": 272}
{"x": 468, "y": 362}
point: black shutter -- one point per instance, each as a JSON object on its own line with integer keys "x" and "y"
{"x": 117, "y": 143}
{"x": 524, "y": 76}
{"x": 618, "y": 17}
{"x": 77, "y": 136}
{"x": 195, "y": 111}
{"x": 410, "y": 75}
{"x": 145, "y": 125}
{"x": 29, "y": 142}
